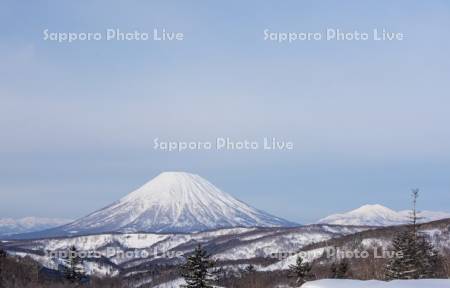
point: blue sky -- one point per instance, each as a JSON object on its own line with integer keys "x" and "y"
{"x": 369, "y": 119}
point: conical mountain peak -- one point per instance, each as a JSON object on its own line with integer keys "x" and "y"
{"x": 174, "y": 202}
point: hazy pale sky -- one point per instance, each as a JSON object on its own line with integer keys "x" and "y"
{"x": 369, "y": 119}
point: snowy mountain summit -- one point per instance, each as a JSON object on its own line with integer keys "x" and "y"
{"x": 378, "y": 215}
{"x": 172, "y": 202}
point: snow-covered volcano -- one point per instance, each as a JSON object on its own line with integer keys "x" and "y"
{"x": 378, "y": 215}
{"x": 173, "y": 202}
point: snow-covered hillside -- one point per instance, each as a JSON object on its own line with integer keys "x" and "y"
{"x": 339, "y": 283}
{"x": 268, "y": 249}
{"x": 9, "y": 226}
{"x": 378, "y": 215}
{"x": 231, "y": 244}
{"x": 171, "y": 202}
{"x": 437, "y": 232}
{"x": 175, "y": 284}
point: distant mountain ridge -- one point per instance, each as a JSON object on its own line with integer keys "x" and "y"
{"x": 173, "y": 202}
{"x": 378, "y": 215}
{"x": 10, "y": 226}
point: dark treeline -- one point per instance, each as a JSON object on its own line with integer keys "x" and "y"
{"x": 27, "y": 273}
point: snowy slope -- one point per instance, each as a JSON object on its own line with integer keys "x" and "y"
{"x": 172, "y": 284}
{"x": 9, "y": 226}
{"x": 378, "y": 215}
{"x": 175, "y": 284}
{"x": 231, "y": 244}
{"x": 171, "y": 202}
{"x": 273, "y": 248}
{"x": 339, "y": 283}
{"x": 269, "y": 249}
{"x": 438, "y": 233}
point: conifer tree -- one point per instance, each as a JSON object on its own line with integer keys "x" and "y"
{"x": 2, "y": 256}
{"x": 340, "y": 270}
{"x": 301, "y": 271}
{"x": 73, "y": 268}
{"x": 414, "y": 257}
{"x": 402, "y": 265}
{"x": 427, "y": 258}
{"x": 196, "y": 270}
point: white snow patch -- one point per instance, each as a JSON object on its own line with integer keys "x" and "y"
{"x": 308, "y": 256}
{"x": 337, "y": 283}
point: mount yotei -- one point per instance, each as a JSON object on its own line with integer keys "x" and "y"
{"x": 171, "y": 202}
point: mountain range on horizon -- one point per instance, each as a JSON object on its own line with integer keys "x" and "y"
{"x": 378, "y": 215}
{"x": 10, "y": 226}
{"x": 180, "y": 202}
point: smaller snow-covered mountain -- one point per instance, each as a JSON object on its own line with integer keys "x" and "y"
{"x": 378, "y": 215}
{"x": 10, "y": 226}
